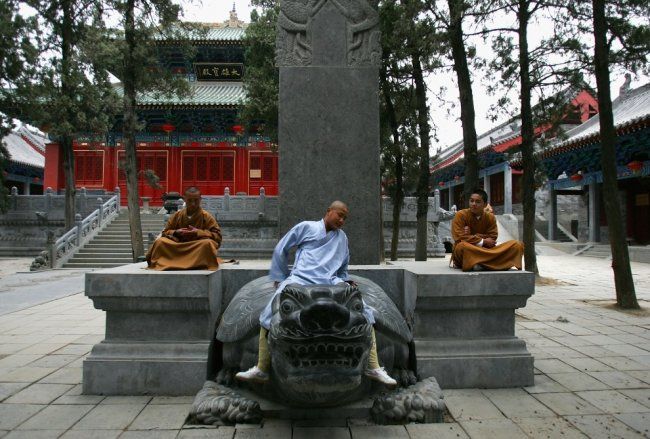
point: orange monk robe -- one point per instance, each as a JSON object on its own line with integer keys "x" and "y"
{"x": 467, "y": 253}
{"x": 168, "y": 253}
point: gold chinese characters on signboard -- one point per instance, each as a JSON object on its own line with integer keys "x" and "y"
{"x": 218, "y": 72}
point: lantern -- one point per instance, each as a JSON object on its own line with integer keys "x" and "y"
{"x": 441, "y": 183}
{"x": 577, "y": 176}
{"x": 168, "y": 128}
{"x": 238, "y": 129}
{"x": 635, "y": 165}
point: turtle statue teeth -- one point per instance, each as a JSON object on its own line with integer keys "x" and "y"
{"x": 319, "y": 342}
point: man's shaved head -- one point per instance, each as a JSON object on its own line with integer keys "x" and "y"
{"x": 192, "y": 190}
{"x": 340, "y": 205}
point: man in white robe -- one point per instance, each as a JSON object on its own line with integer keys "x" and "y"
{"x": 322, "y": 257}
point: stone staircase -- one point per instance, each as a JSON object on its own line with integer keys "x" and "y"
{"x": 602, "y": 251}
{"x": 541, "y": 225}
{"x": 112, "y": 246}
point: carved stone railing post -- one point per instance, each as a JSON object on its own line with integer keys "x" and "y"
{"x": 48, "y": 199}
{"x": 261, "y": 203}
{"x": 83, "y": 197}
{"x": 100, "y": 206}
{"x": 119, "y": 196}
{"x": 226, "y": 199}
{"x": 51, "y": 248}
{"x": 14, "y": 197}
{"x": 77, "y": 222}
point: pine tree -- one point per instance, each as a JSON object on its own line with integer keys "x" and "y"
{"x": 17, "y": 56}
{"x": 135, "y": 58}
{"x": 72, "y": 94}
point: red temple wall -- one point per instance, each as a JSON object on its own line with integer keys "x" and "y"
{"x": 211, "y": 168}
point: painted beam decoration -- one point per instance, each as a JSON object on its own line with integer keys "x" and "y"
{"x": 219, "y": 72}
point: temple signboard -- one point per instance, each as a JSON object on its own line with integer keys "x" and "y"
{"x": 218, "y": 72}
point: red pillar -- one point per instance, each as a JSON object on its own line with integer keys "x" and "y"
{"x": 53, "y": 172}
{"x": 241, "y": 170}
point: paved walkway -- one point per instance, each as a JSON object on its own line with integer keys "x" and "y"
{"x": 592, "y": 372}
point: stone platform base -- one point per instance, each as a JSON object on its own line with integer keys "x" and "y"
{"x": 159, "y": 324}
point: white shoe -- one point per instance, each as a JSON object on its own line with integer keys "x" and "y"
{"x": 380, "y": 375}
{"x": 254, "y": 375}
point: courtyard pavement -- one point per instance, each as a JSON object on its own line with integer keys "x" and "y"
{"x": 592, "y": 369}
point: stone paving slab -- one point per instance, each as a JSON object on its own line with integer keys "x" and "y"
{"x": 637, "y": 421}
{"x": 110, "y": 417}
{"x": 39, "y": 394}
{"x": 438, "y": 431}
{"x": 550, "y": 427}
{"x": 321, "y": 433}
{"x": 56, "y": 417}
{"x": 376, "y": 431}
{"x": 161, "y": 417}
{"x": 611, "y": 401}
{"x": 605, "y": 426}
{"x": 497, "y": 428}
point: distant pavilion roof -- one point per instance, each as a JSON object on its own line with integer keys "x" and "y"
{"x": 202, "y": 94}
{"x": 631, "y": 111}
{"x": 26, "y": 148}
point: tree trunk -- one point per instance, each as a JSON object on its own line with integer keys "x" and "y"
{"x": 68, "y": 172}
{"x": 527, "y": 140}
{"x": 130, "y": 120}
{"x": 467, "y": 115}
{"x": 66, "y": 88}
{"x": 423, "y": 180}
{"x": 625, "y": 294}
{"x": 398, "y": 198}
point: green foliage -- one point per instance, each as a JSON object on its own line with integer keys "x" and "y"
{"x": 17, "y": 56}
{"x": 72, "y": 92}
{"x": 261, "y": 78}
{"x": 154, "y": 21}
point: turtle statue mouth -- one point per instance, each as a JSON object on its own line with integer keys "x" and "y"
{"x": 340, "y": 351}
{"x": 319, "y": 342}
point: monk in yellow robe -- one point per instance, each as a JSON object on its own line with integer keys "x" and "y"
{"x": 190, "y": 240}
{"x": 475, "y": 231}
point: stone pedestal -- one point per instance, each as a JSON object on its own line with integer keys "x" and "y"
{"x": 159, "y": 324}
{"x": 464, "y": 326}
{"x": 158, "y": 330}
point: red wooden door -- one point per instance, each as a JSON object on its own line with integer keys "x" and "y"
{"x": 263, "y": 172}
{"x": 210, "y": 171}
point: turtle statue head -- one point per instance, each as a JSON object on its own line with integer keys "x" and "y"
{"x": 319, "y": 342}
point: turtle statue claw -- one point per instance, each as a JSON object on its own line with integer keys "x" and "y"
{"x": 319, "y": 342}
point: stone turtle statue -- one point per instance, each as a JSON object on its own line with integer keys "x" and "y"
{"x": 319, "y": 342}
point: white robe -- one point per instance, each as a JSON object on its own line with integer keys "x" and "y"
{"x": 321, "y": 259}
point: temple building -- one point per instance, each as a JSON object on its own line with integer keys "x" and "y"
{"x": 186, "y": 141}
{"x": 24, "y": 169}
{"x": 496, "y": 148}
{"x": 569, "y": 200}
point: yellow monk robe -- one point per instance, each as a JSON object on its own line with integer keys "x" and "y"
{"x": 467, "y": 253}
{"x": 168, "y": 253}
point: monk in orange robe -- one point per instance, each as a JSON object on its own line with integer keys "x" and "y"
{"x": 475, "y": 231}
{"x": 190, "y": 240}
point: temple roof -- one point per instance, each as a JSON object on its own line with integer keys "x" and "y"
{"x": 499, "y": 135}
{"x": 213, "y": 32}
{"x": 26, "y": 148}
{"x": 629, "y": 109}
{"x": 202, "y": 94}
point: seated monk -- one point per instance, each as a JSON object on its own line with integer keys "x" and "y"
{"x": 190, "y": 240}
{"x": 474, "y": 231}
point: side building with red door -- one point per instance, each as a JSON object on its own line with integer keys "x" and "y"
{"x": 195, "y": 140}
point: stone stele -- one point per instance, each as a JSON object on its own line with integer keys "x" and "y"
{"x": 328, "y": 52}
